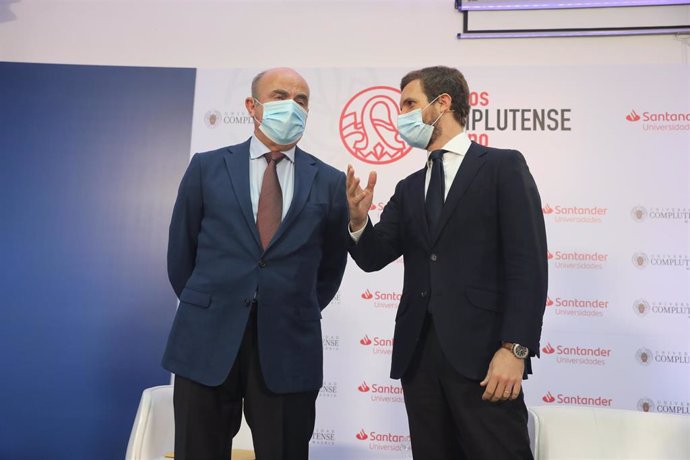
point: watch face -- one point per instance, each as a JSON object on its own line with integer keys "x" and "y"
{"x": 520, "y": 351}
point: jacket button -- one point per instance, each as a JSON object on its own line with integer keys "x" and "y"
{"x": 433, "y": 257}
{"x": 423, "y": 293}
{"x": 262, "y": 263}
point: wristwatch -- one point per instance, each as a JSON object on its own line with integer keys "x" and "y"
{"x": 519, "y": 351}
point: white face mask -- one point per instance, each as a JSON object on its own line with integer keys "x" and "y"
{"x": 412, "y": 128}
{"x": 283, "y": 122}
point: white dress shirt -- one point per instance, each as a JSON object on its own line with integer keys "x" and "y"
{"x": 285, "y": 170}
{"x": 456, "y": 148}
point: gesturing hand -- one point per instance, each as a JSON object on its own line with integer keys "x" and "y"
{"x": 359, "y": 199}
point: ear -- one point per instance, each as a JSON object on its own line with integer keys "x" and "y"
{"x": 250, "y": 105}
{"x": 444, "y": 101}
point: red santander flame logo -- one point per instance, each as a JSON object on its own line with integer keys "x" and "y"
{"x": 632, "y": 116}
{"x": 372, "y": 207}
{"x": 549, "y": 302}
{"x": 548, "y": 349}
{"x": 547, "y": 209}
{"x": 549, "y": 255}
{"x": 361, "y": 435}
{"x": 363, "y": 387}
{"x": 365, "y": 340}
{"x": 548, "y": 397}
{"x": 367, "y": 295}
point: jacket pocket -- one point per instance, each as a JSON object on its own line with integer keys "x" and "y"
{"x": 318, "y": 209}
{"x": 484, "y": 299}
{"x": 200, "y": 299}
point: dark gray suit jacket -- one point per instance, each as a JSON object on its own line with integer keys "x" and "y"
{"x": 482, "y": 273}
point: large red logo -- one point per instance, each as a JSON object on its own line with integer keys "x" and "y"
{"x": 548, "y": 397}
{"x": 547, "y": 209}
{"x": 368, "y": 126}
{"x": 367, "y": 295}
{"x": 548, "y": 349}
{"x": 549, "y": 302}
{"x": 632, "y": 116}
{"x": 361, "y": 435}
{"x": 364, "y": 387}
{"x": 365, "y": 340}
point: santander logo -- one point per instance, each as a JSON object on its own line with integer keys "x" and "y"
{"x": 578, "y": 256}
{"x": 570, "y": 213}
{"x": 548, "y": 349}
{"x": 367, "y": 295}
{"x": 549, "y": 255}
{"x": 364, "y": 388}
{"x": 378, "y": 345}
{"x": 632, "y": 116}
{"x": 549, "y": 302}
{"x": 577, "y": 400}
{"x": 361, "y": 435}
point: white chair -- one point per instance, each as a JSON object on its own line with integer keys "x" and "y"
{"x": 153, "y": 432}
{"x": 577, "y": 433}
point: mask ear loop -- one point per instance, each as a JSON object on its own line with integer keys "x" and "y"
{"x": 432, "y": 101}
{"x": 260, "y": 103}
{"x": 439, "y": 117}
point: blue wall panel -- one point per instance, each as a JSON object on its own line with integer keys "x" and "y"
{"x": 90, "y": 160}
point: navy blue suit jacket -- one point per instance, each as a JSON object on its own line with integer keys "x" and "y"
{"x": 482, "y": 273}
{"x": 216, "y": 267}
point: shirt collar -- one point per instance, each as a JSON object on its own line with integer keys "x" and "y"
{"x": 257, "y": 149}
{"x": 458, "y": 145}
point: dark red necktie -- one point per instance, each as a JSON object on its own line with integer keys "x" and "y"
{"x": 270, "y": 200}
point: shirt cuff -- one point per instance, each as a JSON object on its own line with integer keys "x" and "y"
{"x": 356, "y": 235}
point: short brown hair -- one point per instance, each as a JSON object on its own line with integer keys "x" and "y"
{"x": 438, "y": 80}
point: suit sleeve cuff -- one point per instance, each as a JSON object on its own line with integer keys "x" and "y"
{"x": 356, "y": 235}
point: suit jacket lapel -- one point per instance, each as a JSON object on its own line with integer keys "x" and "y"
{"x": 237, "y": 163}
{"x": 418, "y": 201}
{"x": 469, "y": 167}
{"x": 305, "y": 171}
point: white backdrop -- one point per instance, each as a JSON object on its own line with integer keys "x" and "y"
{"x": 611, "y": 160}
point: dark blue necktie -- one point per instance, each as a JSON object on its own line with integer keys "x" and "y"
{"x": 436, "y": 191}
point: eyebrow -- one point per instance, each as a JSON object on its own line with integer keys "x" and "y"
{"x": 284, "y": 93}
{"x": 279, "y": 92}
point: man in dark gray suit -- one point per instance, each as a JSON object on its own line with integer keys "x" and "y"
{"x": 470, "y": 228}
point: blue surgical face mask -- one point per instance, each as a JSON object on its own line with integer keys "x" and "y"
{"x": 283, "y": 122}
{"x": 413, "y": 129}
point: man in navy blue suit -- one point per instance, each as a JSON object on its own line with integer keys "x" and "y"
{"x": 257, "y": 248}
{"x": 470, "y": 228}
